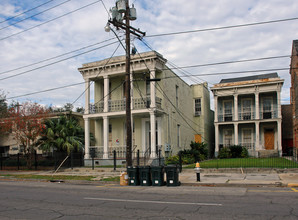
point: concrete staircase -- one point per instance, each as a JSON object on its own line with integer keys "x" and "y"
{"x": 268, "y": 153}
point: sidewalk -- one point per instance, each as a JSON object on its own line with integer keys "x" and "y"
{"x": 210, "y": 177}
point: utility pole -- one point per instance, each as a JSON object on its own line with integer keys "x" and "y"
{"x": 122, "y": 12}
{"x": 127, "y": 91}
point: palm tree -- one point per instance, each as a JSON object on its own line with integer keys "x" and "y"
{"x": 64, "y": 134}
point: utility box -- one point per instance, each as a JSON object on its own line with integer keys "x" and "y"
{"x": 172, "y": 175}
{"x": 133, "y": 176}
{"x": 157, "y": 176}
{"x": 145, "y": 177}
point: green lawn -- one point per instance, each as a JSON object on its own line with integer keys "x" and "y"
{"x": 247, "y": 163}
{"x": 48, "y": 177}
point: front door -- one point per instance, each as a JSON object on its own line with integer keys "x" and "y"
{"x": 269, "y": 139}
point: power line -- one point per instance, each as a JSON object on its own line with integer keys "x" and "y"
{"x": 59, "y": 61}
{"x": 47, "y": 90}
{"x": 51, "y": 58}
{"x": 224, "y": 27}
{"x": 25, "y": 12}
{"x": 34, "y": 15}
{"x": 97, "y": 75}
{"x": 12, "y": 35}
{"x": 235, "y": 72}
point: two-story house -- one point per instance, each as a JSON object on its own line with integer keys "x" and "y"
{"x": 248, "y": 113}
{"x": 166, "y": 114}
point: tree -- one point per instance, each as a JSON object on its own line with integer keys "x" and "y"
{"x": 64, "y": 134}
{"x": 3, "y": 105}
{"x": 25, "y": 123}
{"x": 68, "y": 107}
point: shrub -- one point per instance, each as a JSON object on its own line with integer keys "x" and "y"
{"x": 244, "y": 152}
{"x": 236, "y": 151}
{"x": 172, "y": 160}
{"x": 224, "y": 153}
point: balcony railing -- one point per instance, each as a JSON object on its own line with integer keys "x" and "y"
{"x": 268, "y": 114}
{"x": 246, "y": 115}
{"x": 119, "y": 105}
{"x": 225, "y": 117}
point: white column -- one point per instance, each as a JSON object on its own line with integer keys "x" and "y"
{"x": 106, "y": 93}
{"x": 236, "y": 107}
{"x": 278, "y": 104}
{"x": 153, "y": 134}
{"x": 279, "y": 140}
{"x": 215, "y": 108}
{"x": 152, "y": 90}
{"x": 216, "y": 140}
{"x": 87, "y": 138}
{"x": 236, "y": 133}
{"x": 105, "y": 137}
{"x": 257, "y": 116}
{"x": 257, "y": 124}
{"x": 87, "y": 96}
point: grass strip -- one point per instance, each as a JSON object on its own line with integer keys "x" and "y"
{"x": 111, "y": 179}
{"x": 280, "y": 163}
{"x": 49, "y": 177}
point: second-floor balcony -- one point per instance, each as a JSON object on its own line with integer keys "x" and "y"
{"x": 120, "y": 105}
{"x": 264, "y": 113}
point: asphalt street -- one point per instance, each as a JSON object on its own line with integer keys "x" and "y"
{"x": 46, "y": 200}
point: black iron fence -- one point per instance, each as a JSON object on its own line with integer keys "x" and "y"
{"x": 41, "y": 161}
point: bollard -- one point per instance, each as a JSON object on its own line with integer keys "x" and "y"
{"x": 197, "y": 170}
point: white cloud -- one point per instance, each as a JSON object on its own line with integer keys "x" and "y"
{"x": 86, "y": 27}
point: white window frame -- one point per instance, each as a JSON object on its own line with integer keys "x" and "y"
{"x": 198, "y": 113}
{"x": 251, "y": 135}
{"x": 224, "y": 108}
{"x": 224, "y": 136}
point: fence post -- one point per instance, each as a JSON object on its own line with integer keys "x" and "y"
{"x": 71, "y": 159}
{"x": 180, "y": 161}
{"x": 138, "y": 158}
{"x": 35, "y": 159}
{"x": 159, "y": 152}
{"x": 18, "y": 161}
{"x": 1, "y": 160}
{"x": 115, "y": 162}
{"x": 55, "y": 159}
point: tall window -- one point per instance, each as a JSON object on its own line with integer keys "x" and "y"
{"x": 228, "y": 110}
{"x": 228, "y": 137}
{"x": 198, "y": 107}
{"x": 247, "y": 137}
{"x": 177, "y": 90}
{"x": 267, "y": 107}
{"x": 147, "y": 88}
{"x": 246, "y": 109}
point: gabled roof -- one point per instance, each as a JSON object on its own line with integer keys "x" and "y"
{"x": 249, "y": 78}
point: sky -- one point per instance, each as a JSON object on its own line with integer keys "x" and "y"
{"x": 44, "y": 42}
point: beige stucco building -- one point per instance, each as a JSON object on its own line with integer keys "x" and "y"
{"x": 248, "y": 113}
{"x": 176, "y": 112}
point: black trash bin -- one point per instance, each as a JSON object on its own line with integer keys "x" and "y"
{"x": 172, "y": 174}
{"x": 145, "y": 177}
{"x": 133, "y": 176}
{"x": 157, "y": 176}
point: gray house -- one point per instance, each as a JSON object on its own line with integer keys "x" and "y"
{"x": 248, "y": 113}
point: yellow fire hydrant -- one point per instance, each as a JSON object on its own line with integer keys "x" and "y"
{"x": 198, "y": 170}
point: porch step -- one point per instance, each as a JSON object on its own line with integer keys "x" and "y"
{"x": 268, "y": 153}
